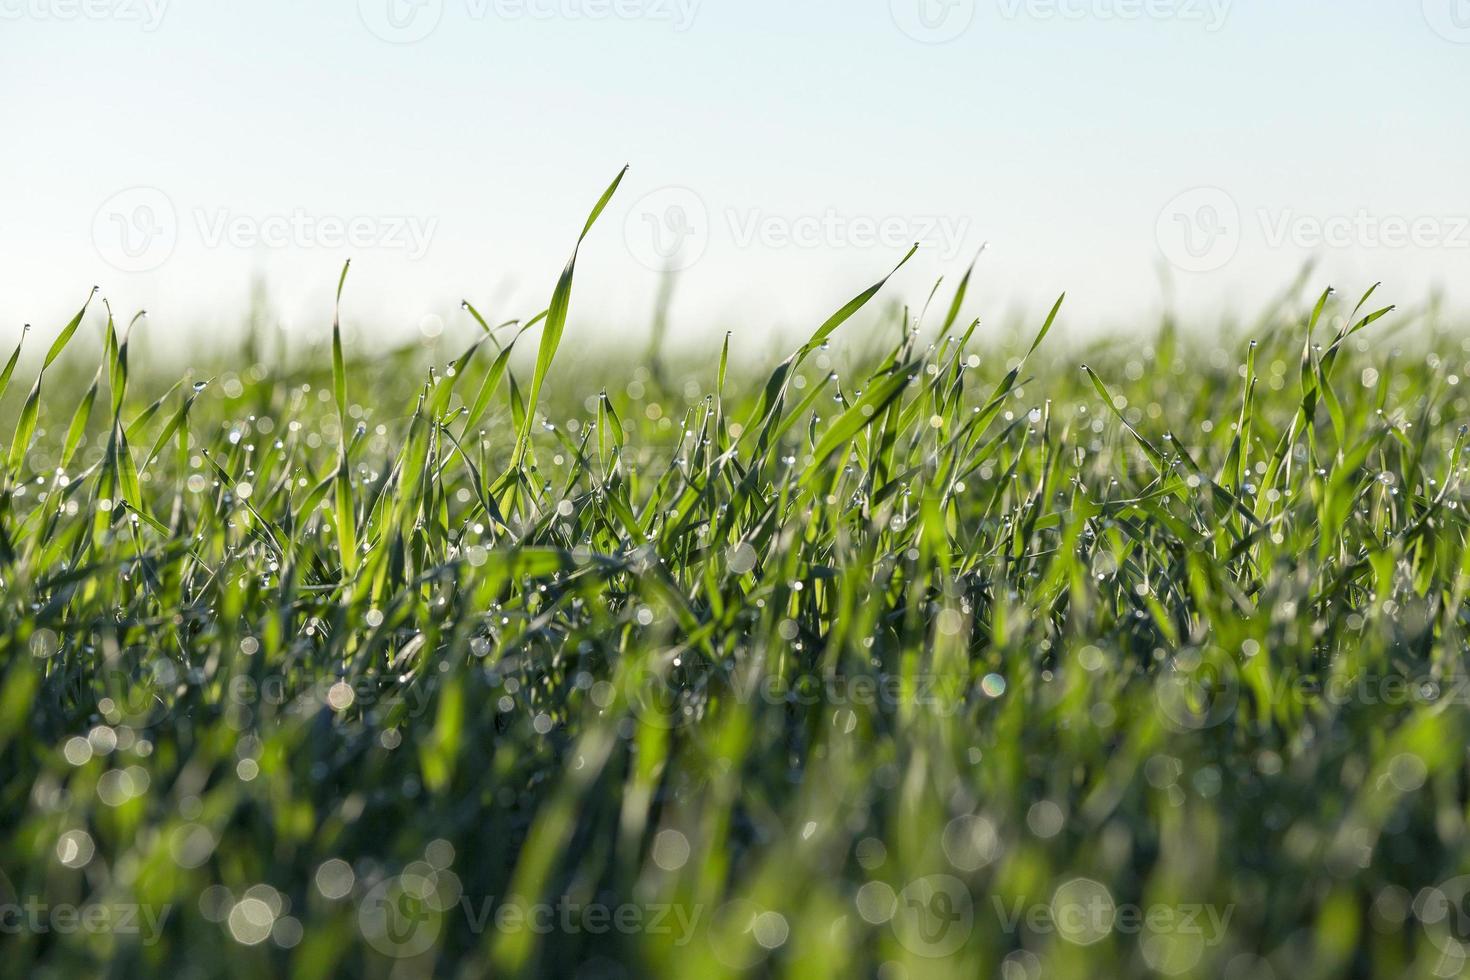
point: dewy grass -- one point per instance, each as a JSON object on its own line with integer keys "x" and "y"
{"x": 949, "y": 661}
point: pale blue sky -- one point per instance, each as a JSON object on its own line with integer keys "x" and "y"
{"x": 805, "y": 139}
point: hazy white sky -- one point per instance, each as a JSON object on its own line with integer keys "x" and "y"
{"x": 783, "y": 152}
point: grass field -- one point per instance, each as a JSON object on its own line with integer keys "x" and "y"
{"x": 909, "y": 656}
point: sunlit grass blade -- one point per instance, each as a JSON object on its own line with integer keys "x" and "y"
{"x": 556, "y": 323}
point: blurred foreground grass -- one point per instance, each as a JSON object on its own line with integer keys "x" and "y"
{"x": 945, "y": 660}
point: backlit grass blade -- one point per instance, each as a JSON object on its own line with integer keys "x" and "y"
{"x": 853, "y": 305}
{"x": 79, "y": 420}
{"x": 958, "y": 302}
{"x": 863, "y": 413}
{"x": 9, "y": 369}
{"x": 25, "y": 431}
{"x": 345, "y": 518}
{"x": 25, "y": 428}
{"x": 67, "y": 331}
{"x": 339, "y": 364}
{"x": 556, "y": 322}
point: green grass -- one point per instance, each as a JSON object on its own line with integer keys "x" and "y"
{"x": 913, "y": 655}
